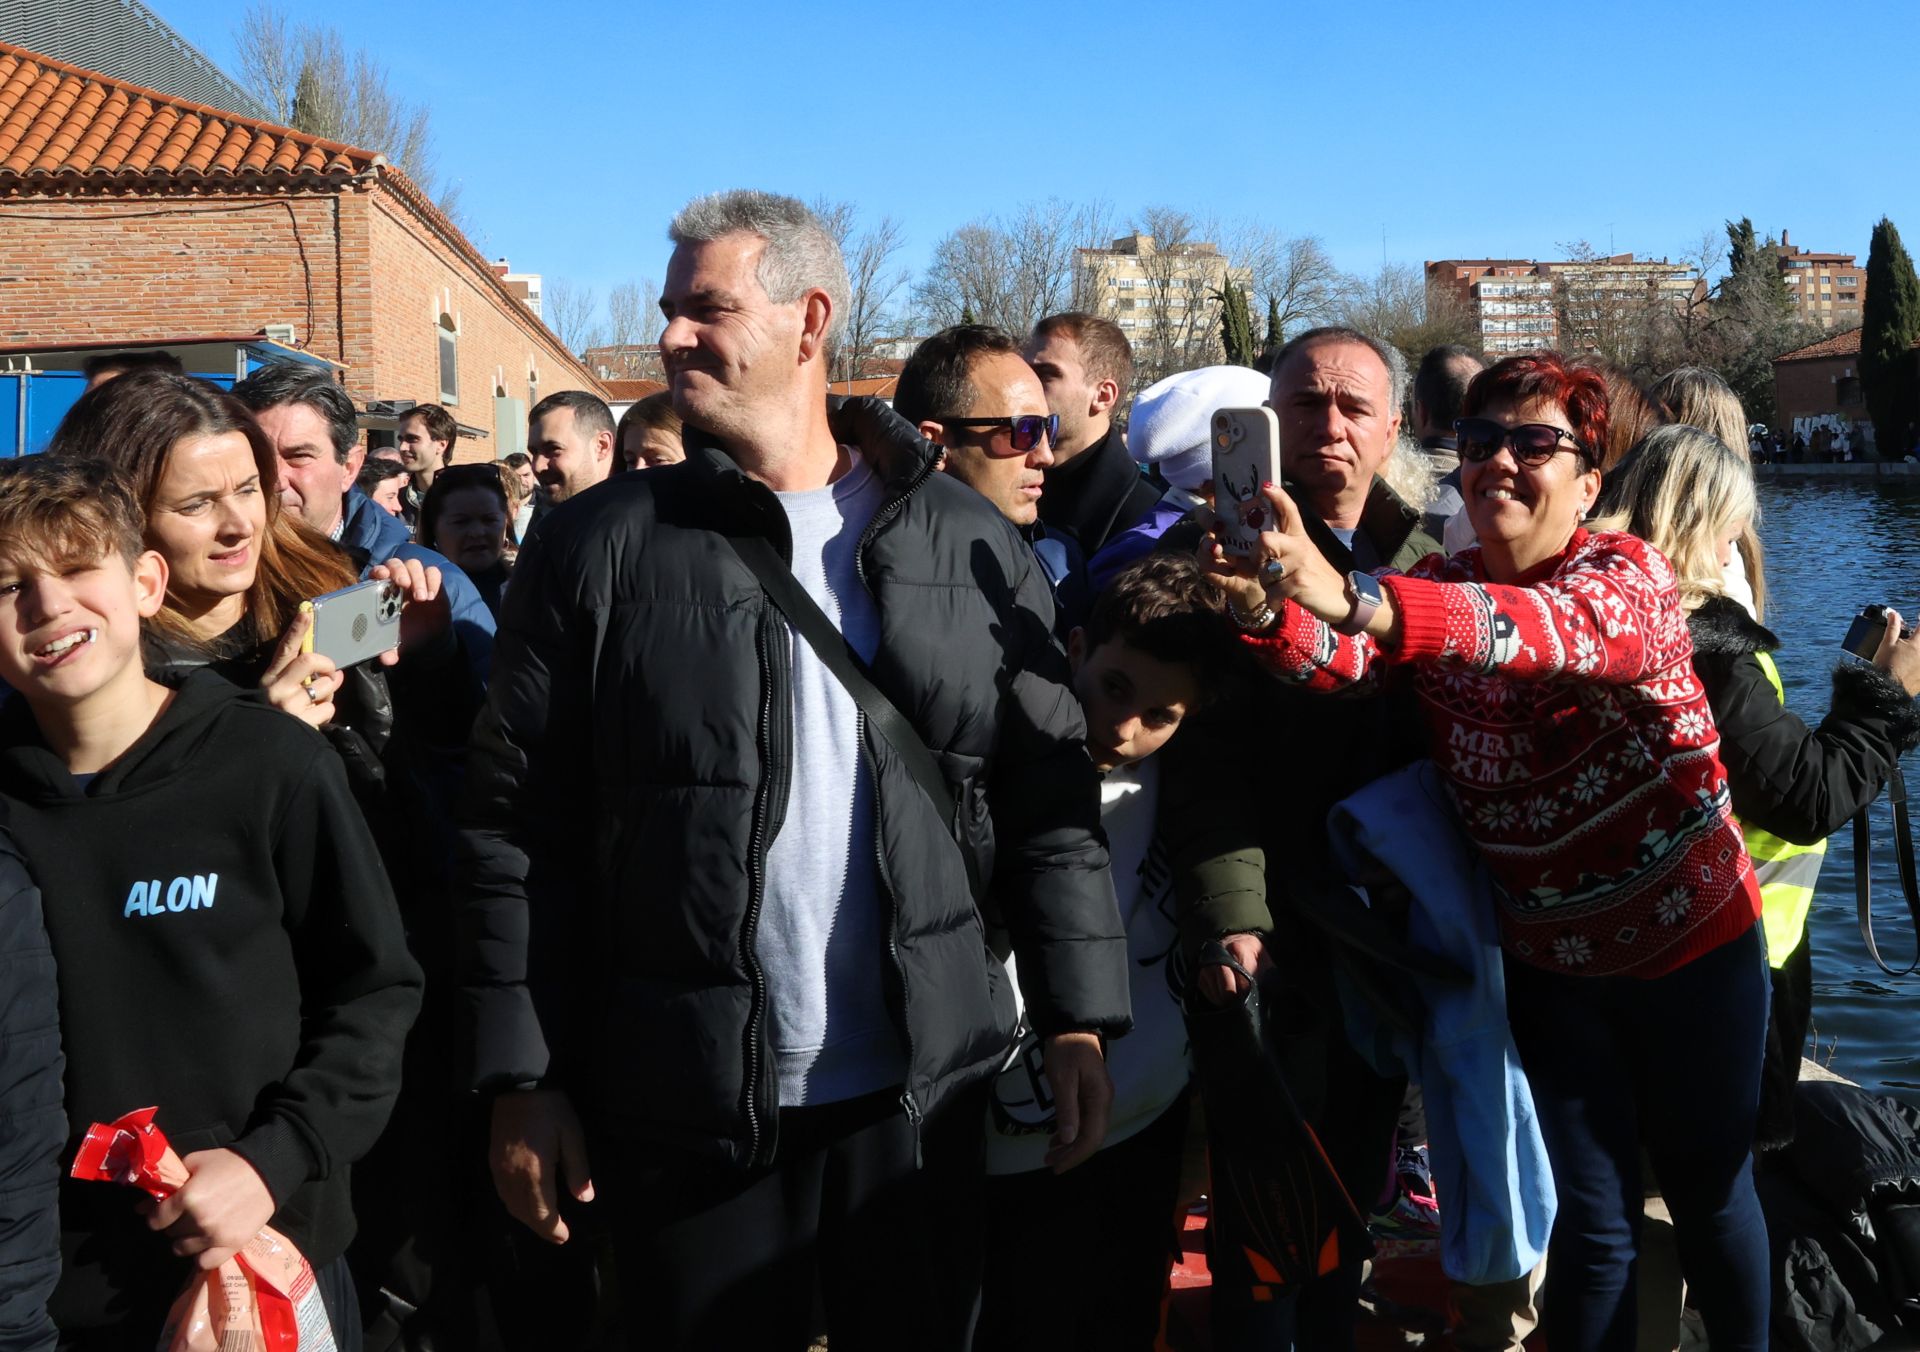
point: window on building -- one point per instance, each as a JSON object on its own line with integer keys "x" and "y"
{"x": 449, "y": 361}
{"x": 1850, "y": 296}
{"x": 1846, "y": 391}
{"x": 1849, "y": 281}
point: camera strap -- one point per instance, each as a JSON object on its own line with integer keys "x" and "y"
{"x": 1903, "y": 859}
{"x": 831, "y": 647}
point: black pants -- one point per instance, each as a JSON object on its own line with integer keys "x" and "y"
{"x": 711, "y": 1259}
{"x": 1079, "y": 1260}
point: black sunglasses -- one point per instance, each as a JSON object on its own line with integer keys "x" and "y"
{"x": 1533, "y": 443}
{"x": 1028, "y": 428}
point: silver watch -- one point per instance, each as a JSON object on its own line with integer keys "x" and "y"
{"x": 1364, "y": 588}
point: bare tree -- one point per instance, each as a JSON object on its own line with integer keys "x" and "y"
{"x": 1175, "y": 304}
{"x": 873, "y": 279}
{"x": 1396, "y": 306}
{"x": 311, "y": 81}
{"x": 1013, "y": 271}
{"x": 1292, "y": 278}
{"x": 633, "y": 330}
{"x": 570, "y": 311}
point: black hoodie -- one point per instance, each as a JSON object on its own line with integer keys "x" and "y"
{"x": 229, "y": 950}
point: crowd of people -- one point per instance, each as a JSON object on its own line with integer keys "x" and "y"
{"x": 774, "y": 885}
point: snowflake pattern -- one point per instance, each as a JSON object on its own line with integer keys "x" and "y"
{"x": 1499, "y": 815}
{"x": 1541, "y": 811}
{"x": 1572, "y": 950}
{"x": 1586, "y": 653}
{"x": 1673, "y": 905}
{"x": 1690, "y": 725}
{"x": 1590, "y": 783}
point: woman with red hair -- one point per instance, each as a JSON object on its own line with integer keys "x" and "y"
{"x": 1555, "y": 677}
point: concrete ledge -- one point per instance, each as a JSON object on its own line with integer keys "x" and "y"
{"x": 1858, "y": 469}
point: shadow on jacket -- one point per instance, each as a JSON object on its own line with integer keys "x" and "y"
{"x": 33, "y": 1125}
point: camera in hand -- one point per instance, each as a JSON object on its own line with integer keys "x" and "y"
{"x": 1866, "y": 631}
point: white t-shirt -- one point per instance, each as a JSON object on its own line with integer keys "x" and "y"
{"x": 1149, "y": 1065}
{"x": 822, "y": 939}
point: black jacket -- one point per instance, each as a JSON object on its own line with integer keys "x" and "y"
{"x": 32, "y": 1124}
{"x": 1800, "y": 783}
{"x": 1098, "y": 493}
{"x": 630, "y": 769}
{"x": 229, "y": 950}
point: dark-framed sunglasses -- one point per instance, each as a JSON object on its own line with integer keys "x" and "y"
{"x": 1028, "y": 428}
{"x": 1533, "y": 443}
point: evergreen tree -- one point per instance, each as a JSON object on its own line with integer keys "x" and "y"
{"x": 1757, "y": 263}
{"x": 1889, "y": 329}
{"x": 966, "y": 313}
{"x": 1274, "y": 339}
{"x": 1236, "y": 325}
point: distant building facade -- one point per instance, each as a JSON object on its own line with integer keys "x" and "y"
{"x": 1164, "y": 298}
{"x": 1828, "y": 289}
{"x": 1519, "y": 304}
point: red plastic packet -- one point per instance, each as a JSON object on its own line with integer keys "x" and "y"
{"x": 263, "y": 1299}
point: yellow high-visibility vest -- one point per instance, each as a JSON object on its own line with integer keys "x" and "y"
{"x": 1786, "y": 873}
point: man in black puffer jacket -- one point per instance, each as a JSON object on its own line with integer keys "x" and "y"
{"x": 712, "y": 917}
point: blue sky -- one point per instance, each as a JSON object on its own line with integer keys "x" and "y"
{"x": 1497, "y": 129}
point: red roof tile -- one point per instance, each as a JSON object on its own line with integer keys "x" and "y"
{"x": 1845, "y": 344}
{"x": 623, "y": 391}
{"x": 64, "y": 129}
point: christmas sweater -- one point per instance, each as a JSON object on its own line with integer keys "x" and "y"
{"x": 1565, "y": 717}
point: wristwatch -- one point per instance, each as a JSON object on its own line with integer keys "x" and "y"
{"x": 1364, "y": 588}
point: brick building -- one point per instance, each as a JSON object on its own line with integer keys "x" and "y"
{"x": 1828, "y": 289}
{"x": 129, "y": 216}
{"x": 1519, "y": 304}
{"x": 1819, "y": 386}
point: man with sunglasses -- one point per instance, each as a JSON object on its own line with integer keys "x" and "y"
{"x": 971, "y": 393}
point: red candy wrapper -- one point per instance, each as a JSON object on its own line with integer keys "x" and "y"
{"x": 263, "y": 1299}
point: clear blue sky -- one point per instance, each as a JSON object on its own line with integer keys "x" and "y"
{"x": 1499, "y": 129}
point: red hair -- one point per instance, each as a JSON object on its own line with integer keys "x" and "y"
{"x": 1546, "y": 377}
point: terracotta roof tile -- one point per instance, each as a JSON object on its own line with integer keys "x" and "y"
{"x": 620, "y": 391}
{"x": 1846, "y": 344}
{"x": 62, "y": 127}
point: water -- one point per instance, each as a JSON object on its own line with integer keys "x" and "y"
{"x": 1832, "y": 546}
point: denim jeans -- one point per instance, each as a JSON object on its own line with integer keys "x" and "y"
{"x": 1671, "y": 1065}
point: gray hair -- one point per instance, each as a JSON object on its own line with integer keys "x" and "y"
{"x": 1389, "y": 355}
{"x": 801, "y": 253}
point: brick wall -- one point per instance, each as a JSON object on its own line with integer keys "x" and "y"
{"x": 1808, "y": 388}
{"x": 133, "y": 269}
{"x": 500, "y": 344}
{"x": 360, "y": 276}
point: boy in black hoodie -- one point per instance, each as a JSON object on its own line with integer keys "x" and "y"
{"x": 227, "y": 944}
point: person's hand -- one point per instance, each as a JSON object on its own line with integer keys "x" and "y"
{"x": 1222, "y": 985}
{"x": 426, "y": 613}
{"x": 538, "y": 1145}
{"x": 223, "y": 1204}
{"x": 1899, "y": 657}
{"x": 301, "y": 684}
{"x": 1236, "y": 582}
{"x": 1082, "y": 1098}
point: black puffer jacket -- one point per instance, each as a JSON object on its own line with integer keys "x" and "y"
{"x": 630, "y": 768}
{"x": 1799, "y": 783}
{"x": 33, "y": 1125}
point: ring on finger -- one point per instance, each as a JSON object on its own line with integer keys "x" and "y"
{"x": 315, "y": 694}
{"x": 1272, "y": 570}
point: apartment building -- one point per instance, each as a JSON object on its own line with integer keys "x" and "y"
{"x": 1828, "y": 289}
{"x": 1165, "y": 299}
{"x": 1520, "y": 303}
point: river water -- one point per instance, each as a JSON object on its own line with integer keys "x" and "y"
{"x": 1832, "y": 546}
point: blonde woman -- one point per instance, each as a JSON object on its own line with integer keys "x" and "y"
{"x": 1692, "y": 498}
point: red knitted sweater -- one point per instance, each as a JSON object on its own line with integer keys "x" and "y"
{"x": 1564, "y": 713}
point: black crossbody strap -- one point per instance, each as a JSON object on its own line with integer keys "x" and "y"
{"x": 1903, "y": 859}
{"x": 831, "y": 647}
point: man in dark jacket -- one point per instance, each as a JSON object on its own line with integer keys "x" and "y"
{"x": 1094, "y": 489}
{"x": 33, "y": 1126}
{"x": 713, "y": 918}
{"x": 1276, "y": 763}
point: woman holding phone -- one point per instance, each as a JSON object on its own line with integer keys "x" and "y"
{"x": 1691, "y": 496}
{"x": 1553, "y": 670}
{"x": 239, "y": 565}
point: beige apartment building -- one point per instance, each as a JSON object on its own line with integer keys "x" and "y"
{"x": 1166, "y": 300}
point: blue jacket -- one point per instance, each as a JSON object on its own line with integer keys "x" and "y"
{"x": 367, "y": 526}
{"x": 1489, "y": 1161}
{"x": 32, "y": 1120}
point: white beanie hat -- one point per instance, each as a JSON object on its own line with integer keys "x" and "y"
{"x": 1172, "y": 421}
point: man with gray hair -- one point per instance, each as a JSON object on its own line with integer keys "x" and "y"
{"x": 727, "y": 853}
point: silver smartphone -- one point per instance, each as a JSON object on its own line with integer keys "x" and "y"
{"x": 1246, "y": 454}
{"x": 355, "y": 623}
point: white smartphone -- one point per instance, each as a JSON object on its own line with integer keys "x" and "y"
{"x": 354, "y": 624}
{"x": 1246, "y": 454}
